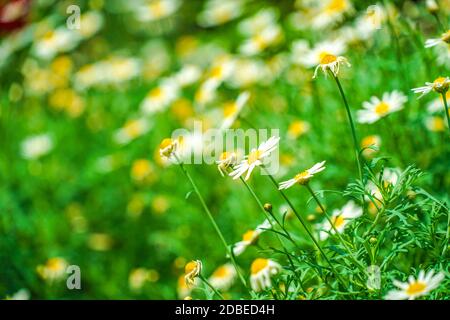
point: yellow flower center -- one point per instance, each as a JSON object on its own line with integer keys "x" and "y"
{"x": 157, "y": 8}
{"x": 55, "y": 264}
{"x": 258, "y": 265}
{"x": 260, "y": 42}
{"x": 446, "y": 37}
{"x": 336, "y": 6}
{"x": 190, "y": 266}
{"x": 338, "y": 221}
{"x": 222, "y": 16}
{"x": 253, "y": 156}
{"x": 416, "y": 288}
{"x": 369, "y": 141}
{"x": 441, "y": 85}
{"x": 382, "y": 108}
{"x": 437, "y": 124}
{"x": 165, "y": 143}
{"x": 229, "y": 109}
{"x": 328, "y": 58}
{"x": 248, "y": 236}
{"x": 156, "y": 93}
{"x": 224, "y": 155}
{"x": 302, "y": 177}
{"x": 297, "y": 128}
{"x": 216, "y": 72}
{"x": 141, "y": 168}
{"x": 221, "y": 272}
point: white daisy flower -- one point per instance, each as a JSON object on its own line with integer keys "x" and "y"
{"x": 160, "y": 97}
{"x": 436, "y": 104}
{"x": 131, "y": 130}
{"x": 445, "y": 39}
{"x": 435, "y": 123}
{"x": 377, "y": 108}
{"x": 157, "y": 9}
{"x": 248, "y": 72}
{"x": 415, "y": 288}
{"x": 260, "y": 41}
{"x": 22, "y": 294}
{"x": 217, "y": 12}
{"x": 340, "y": 218}
{"x": 170, "y": 149}
{"x": 223, "y": 277}
{"x": 54, "y": 269}
{"x": 36, "y": 146}
{"x": 262, "y": 271}
{"x": 330, "y": 12}
{"x": 250, "y": 237}
{"x": 206, "y": 92}
{"x": 370, "y": 145}
{"x": 255, "y": 158}
{"x": 440, "y": 85}
{"x": 191, "y": 271}
{"x": 226, "y": 160}
{"x": 54, "y": 42}
{"x": 303, "y": 177}
{"x": 90, "y": 23}
{"x": 187, "y": 75}
{"x": 308, "y": 57}
{"x": 263, "y": 19}
{"x": 232, "y": 110}
{"x": 332, "y": 63}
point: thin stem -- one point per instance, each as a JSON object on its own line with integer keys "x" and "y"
{"x": 334, "y": 227}
{"x": 211, "y": 287}
{"x": 352, "y": 126}
{"x": 302, "y": 222}
{"x": 258, "y": 201}
{"x": 444, "y": 98}
{"x": 213, "y": 222}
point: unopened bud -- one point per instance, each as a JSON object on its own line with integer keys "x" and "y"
{"x": 268, "y": 207}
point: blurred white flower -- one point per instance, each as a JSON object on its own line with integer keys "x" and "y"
{"x": 340, "y": 219}
{"x": 232, "y": 110}
{"x": 377, "y": 108}
{"x": 262, "y": 270}
{"x": 250, "y": 237}
{"x": 445, "y": 39}
{"x": 160, "y": 97}
{"x": 415, "y": 288}
{"x": 157, "y": 9}
{"x": 36, "y": 146}
{"x": 217, "y": 12}
{"x": 223, "y": 277}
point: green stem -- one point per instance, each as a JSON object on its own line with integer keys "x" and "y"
{"x": 213, "y": 222}
{"x": 258, "y": 201}
{"x": 302, "y": 222}
{"x": 444, "y": 98}
{"x": 361, "y": 267}
{"x": 352, "y": 125}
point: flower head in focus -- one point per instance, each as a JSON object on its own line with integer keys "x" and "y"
{"x": 255, "y": 158}
{"x": 226, "y": 160}
{"x": 303, "y": 177}
{"x": 330, "y": 62}
{"x": 191, "y": 271}
{"x": 440, "y": 85}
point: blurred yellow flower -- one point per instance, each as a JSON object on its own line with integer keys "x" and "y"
{"x": 54, "y": 269}
{"x": 100, "y": 242}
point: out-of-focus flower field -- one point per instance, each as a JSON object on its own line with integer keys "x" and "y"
{"x": 89, "y": 178}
